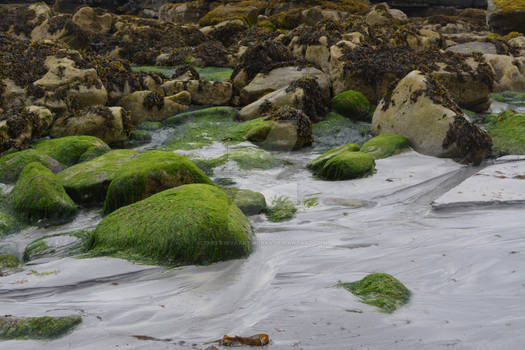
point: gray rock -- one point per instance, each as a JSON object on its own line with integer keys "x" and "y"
{"x": 474, "y": 46}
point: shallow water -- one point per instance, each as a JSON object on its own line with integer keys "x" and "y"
{"x": 464, "y": 267}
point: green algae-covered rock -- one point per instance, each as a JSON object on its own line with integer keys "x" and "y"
{"x": 71, "y": 150}
{"x": 88, "y": 182}
{"x": 11, "y": 165}
{"x": 281, "y": 209}
{"x": 59, "y": 245}
{"x": 149, "y": 173}
{"x": 149, "y": 126}
{"x": 385, "y": 145}
{"x": 351, "y": 104}
{"x": 381, "y": 290}
{"x": 250, "y": 203}
{"x": 8, "y": 261}
{"x": 221, "y": 112}
{"x": 347, "y": 165}
{"x": 318, "y": 163}
{"x": 36, "y": 327}
{"x": 508, "y": 133}
{"x": 190, "y": 224}
{"x": 39, "y": 196}
{"x": 140, "y": 136}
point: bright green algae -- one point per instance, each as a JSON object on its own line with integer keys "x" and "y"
{"x": 214, "y": 73}
{"x": 36, "y": 327}
{"x": 347, "y": 165}
{"x": 381, "y": 290}
{"x": 385, "y": 145}
{"x": 190, "y": 224}
{"x": 507, "y": 130}
{"x": 281, "y": 209}
{"x": 250, "y": 202}
{"x": 351, "y": 104}
{"x": 318, "y": 163}
{"x": 8, "y": 261}
{"x": 11, "y": 165}
{"x": 71, "y": 150}
{"x": 39, "y": 196}
{"x": 149, "y": 173}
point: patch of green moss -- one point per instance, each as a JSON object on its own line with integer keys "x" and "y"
{"x": 318, "y": 163}
{"x": 8, "y": 261}
{"x": 281, "y": 209}
{"x": 381, "y": 290}
{"x": 250, "y": 203}
{"x": 201, "y": 128}
{"x": 140, "y": 136}
{"x": 11, "y": 165}
{"x": 59, "y": 245}
{"x": 249, "y": 158}
{"x": 337, "y": 130}
{"x": 149, "y": 126}
{"x": 88, "y": 182}
{"x": 71, "y": 150}
{"x": 190, "y": 224}
{"x": 347, "y": 165}
{"x": 8, "y": 222}
{"x": 351, "y": 104}
{"x": 39, "y": 196}
{"x": 36, "y": 327}
{"x": 385, "y": 145}
{"x": 150, "y": 173}
{"x": 507, "y": 130}
{"x": 214, "y": 73}
{"x": 511, "y": 97}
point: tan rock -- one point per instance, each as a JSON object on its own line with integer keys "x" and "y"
{"x": 149, "y": 105}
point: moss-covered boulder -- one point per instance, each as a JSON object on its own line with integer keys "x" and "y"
{"x": 39, "y": 196}
{"x": 71, "y": 150}
{"x": 385, "y": 145}
{"x": 352, "y": 104}
{"x": 190, "y": 224}
{"x": 250, "y": 202}
{"x": 150, "y": 173}
{"x": 88, "y": 182}
{"x": 381, "y": 290}
{"x": 36, "y": 327}
{"x": 318, "y": 163}
{"x": 11, "y": 165}
{"x": 140, "y": 136}
{"x": 8, "y": 261}
{"x": 508, "y": 132}
{"x": 58, "y": 245}
{"x": 347, "y": 165}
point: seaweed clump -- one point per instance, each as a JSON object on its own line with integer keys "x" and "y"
{"x": 36, "y": 327}
{"x": 314, "y": 103}
{"x": 152, "y": 100}
{"x": 470, "y": 141}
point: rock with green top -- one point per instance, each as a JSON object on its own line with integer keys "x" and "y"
{"x": 58, "y": 245}
{"x": 250, "y": 202}
{"x": 38, "y": 195}
{"x": 352, "y": 104}
{"x": 71, "y": 150}
{"x": 149, "y": 126}
{"x": 347, "y": 165}
{"x": 318, "y": 163}
{"x": 507, "y": 130}
{"x": 8, "y": 261}
{"x": 150, "y": 173}
{"x": 88, "y": 182}
{"x": 381, "y": 290}
{"x": 190, "y": 224}
{"x": 140, "y": 136}
{"x": 11, "y": 165}
{"x": 385, "y": 145}
{"x": 46, "y": 327}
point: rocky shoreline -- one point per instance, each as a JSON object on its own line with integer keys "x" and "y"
{"x": 155, "y": 117}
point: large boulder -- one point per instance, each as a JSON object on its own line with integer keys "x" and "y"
{"x": 88, "y": 182}
{"x": 303, "y": 94}
{"x": 190, "y": 224}
{"x": 149, "y": 105}
{"x": 71, "y": 150}
{"x": 39, "y": 196}
{"x": 12, "y": 164}
{"x": 20, "y": 126}
{"x": 110, "y": 124}
{"x": 264, "y": 83}
{"x": 505, "y": 16}
{"x": 93, "y": 20}
{"x": 203, "y": 92}
{"x": 150, "y": 173}
{"x": 420, "y": 109}
{"x": 509, "y": 72}
{"x": 187, "y": 13}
